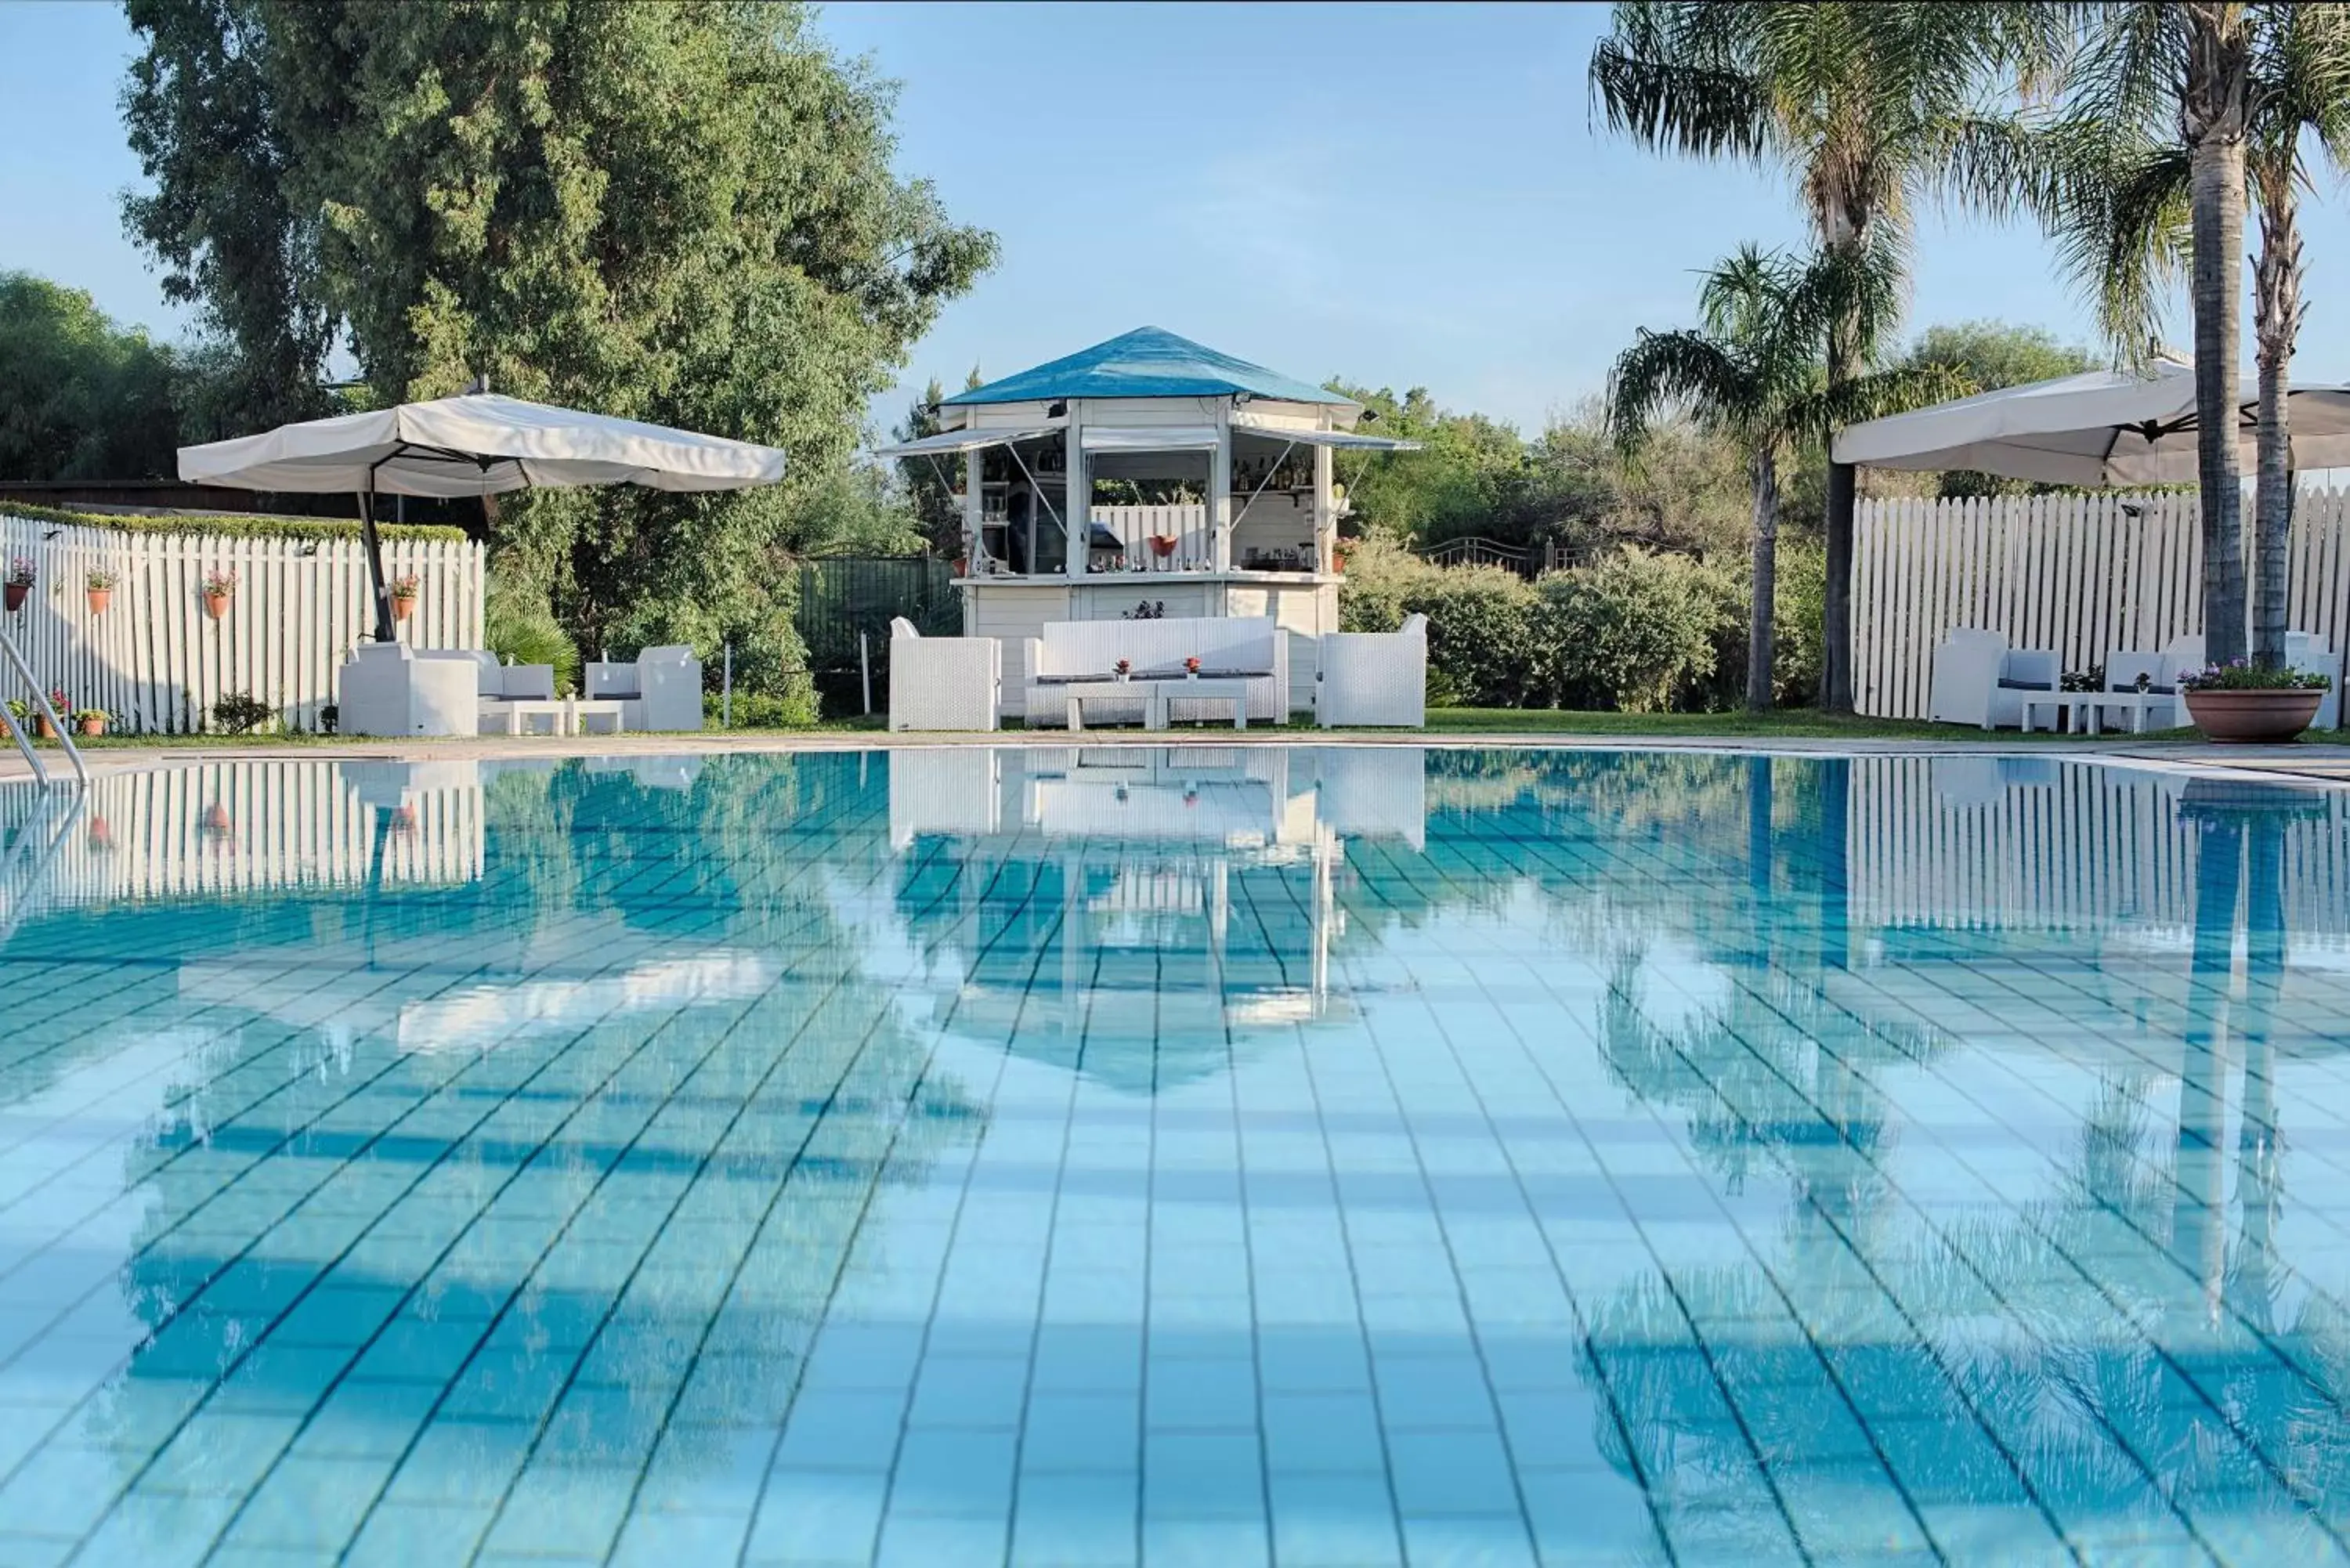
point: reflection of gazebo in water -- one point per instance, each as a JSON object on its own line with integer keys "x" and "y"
{"x": 1134, "y": 913}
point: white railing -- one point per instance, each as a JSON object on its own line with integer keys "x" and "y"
{"x": 155, "y": 660}
{"x": 2084, "y": 575}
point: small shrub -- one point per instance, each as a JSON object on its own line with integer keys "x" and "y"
{"x": 1798, "y": 638}
{"x": 241, "y": 713}
{"x": 1634, "y": 631}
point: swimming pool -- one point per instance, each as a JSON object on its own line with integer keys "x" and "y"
{"x": 1213, "y": 1156}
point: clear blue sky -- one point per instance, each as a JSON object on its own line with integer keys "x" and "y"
{"x": 1403, "y": 195}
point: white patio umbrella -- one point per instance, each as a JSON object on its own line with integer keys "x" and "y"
{"x": 475, "y": 444}
{"x": 2099, "y": 428}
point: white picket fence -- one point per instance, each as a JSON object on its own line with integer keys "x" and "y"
{"x": 2084, "y": 575}
{"x": 155, "y": 660}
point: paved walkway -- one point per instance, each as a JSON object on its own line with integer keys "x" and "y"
{"x": 2327, "y": 764}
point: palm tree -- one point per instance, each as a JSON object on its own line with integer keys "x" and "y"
{"x": 1868, "y": 108}
{"x": 2177, "y": 112}
{"x": 1755, "y": 375}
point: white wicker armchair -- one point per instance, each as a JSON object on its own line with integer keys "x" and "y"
{"x": 943, "y": 682}
{"x": 1374, "y": 677}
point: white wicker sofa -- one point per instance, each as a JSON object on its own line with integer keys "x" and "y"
{"x": 1254, "y": 647}
{"x": 660, "y": 689}
{"x": 1979, "y": 679}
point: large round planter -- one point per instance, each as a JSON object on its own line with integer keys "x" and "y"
{"x": 2255, "y": 716}
{"x": 14, "y": 595}
{"x": 93, "y": 726}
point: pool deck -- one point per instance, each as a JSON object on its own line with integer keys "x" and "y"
{"x": 2315, "y": 762}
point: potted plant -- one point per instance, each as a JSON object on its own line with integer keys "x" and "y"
{"x": 58, "y": 704}
{"x": 20, "y": 711}
{"x": 22, "y": 575}
{"x": 220, "y": 587}
{"x": 1122, "y": 668}
{"x": 97, "y": 584}
{"x": 89, "y": 721}
{"x": 2241, "y": 702}
{"x": 1191, "y": 667}
{"x": 403, "y": 592}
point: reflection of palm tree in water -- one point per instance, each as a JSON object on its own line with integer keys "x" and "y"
{"x": 2099, "y": 1340}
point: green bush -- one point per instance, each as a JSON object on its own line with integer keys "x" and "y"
{"x": 519, "y": 625}
{"x": 1799, "y": 644}
{"x": 1479, "y": 626}
{"x": 1637, "y": 632}
{"x": 792, "y": 709}
{"x": 241, "y": 712}
{"x": 1380, "y": 575}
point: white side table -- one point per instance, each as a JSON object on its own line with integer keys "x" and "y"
{"x": 2080, "y": 703}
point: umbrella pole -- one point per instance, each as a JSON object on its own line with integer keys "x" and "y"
{"x": 383, "y": 622}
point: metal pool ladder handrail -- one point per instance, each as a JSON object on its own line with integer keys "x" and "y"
{"x": 40, "y": 702}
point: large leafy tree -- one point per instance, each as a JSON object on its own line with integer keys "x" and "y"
{"x": 85, "y": 399}
{"x": 1867, "y": 107}
{"x": 681, "y": 212}
{"x": 2177, "y": 116}
{"x": 1755, "y": 374}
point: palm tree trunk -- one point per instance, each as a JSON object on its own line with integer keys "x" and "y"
{"x": 2276, "y": 323}
{"x": 1760, "y": 628}
{"x": 2214, "y": 121}
{"x": 1836, "y": 600}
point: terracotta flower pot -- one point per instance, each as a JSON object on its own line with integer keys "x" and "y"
{"x": 216, "y": 605}
{"x": 101, "y": 600}
{"x": 216, "y": 818}
{"x": 402, "y": 609}
{"x": 93, "y": 726}
{"x": 2254, "y": 716}
{"x": 15, "y": 595}
{"x": 43, "y": 729}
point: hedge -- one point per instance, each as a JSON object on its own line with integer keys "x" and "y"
{"x": 230, "y": 525}
{"x": 1634, "y": 631}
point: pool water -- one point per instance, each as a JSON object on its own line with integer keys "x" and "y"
{"x": 1215, "y": 1155}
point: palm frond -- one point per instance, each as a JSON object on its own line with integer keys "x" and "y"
{"x": 1664, "y": 372}
{"x": 1648, "y": 81}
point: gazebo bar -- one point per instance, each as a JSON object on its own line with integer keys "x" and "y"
{"x": 1201, "y": 487}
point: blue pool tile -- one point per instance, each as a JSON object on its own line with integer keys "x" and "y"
{"x": 818, "y": 1516}
{"x": 1464, "y": 1472}
{"x": 952, "y": 1470}
{"x": 1193, "y": 1475}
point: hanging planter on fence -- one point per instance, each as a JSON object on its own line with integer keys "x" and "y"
{"x": 22, "y": 575}
{"x": 403, "y": 592}
{"x": 98, "y": 586}
{"x": 220, "y": 587}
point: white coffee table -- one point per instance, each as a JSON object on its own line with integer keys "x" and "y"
{"x": 1205, "y": 689}
{"x": 1154, "y": 713}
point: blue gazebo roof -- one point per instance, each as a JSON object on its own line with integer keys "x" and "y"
{"x": 1148, "y": 362}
